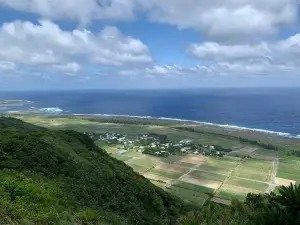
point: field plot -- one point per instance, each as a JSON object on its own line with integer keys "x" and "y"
{"x": 219, "y": 166}
{"x": 194, "y": 187}
{"x": 172, "y": 167}
{"x": 238, "y": 188}
{"x": 289, "y": 169}
{"x": 229, "y": 195}
{"x": 244, "y": 151}
{"x": 154, "y": 177}
{"x": 165, "y": 173}
{"x": 253, "y": 185}
{"x": 187, "y": 195}
{"x": 201, "y": 175}
{"x": 206, "y": 179}
{"x": 259, "y": 165}
{"x": 254, "y": 169}
{"x": 142, "y": 164}
{"x": 196, "y": 160}
{"x": 263, "y": 154}
{"x": 250, "y": 173}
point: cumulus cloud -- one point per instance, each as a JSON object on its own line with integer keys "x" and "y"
{"x": 225, "y": 20}
{"x": 221, "y": 20}
{"x": 166, "y": 71}
{"x": 77, "y": 10}
{"x": 273, "y": 57}
{"x": 216, "y": 51}
{"x": 46, "y": 44}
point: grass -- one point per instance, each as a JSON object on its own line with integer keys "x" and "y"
{"x": 188, "y": 195}
{"x": 261, "y": 165}
{"x": 165, "y": 173}
{"x": 230, "y": 196}
{"x": 209, "y": 168}
{"x": 222, "y": 162}
{"x": 250, "y": 173}
{"x": 247, "y": 184}
{"x": 289, "y": 169}
{"x": 201, "y": 175}
{"x": 138, "y": 168}
{"x": 144, "y": 162}
{"x": 121, "y": 157}
{"x": 194, "y": 187}
{"x": 289, "y": 176}
{"x": 185, "y": 164}
{"x": 218, "y": 166}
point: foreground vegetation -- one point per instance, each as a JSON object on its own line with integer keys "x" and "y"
{"x": 257, "y": 209}
{"x": 55, "y": 177}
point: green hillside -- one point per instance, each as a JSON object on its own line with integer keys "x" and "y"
{"x": 62, "y": 177}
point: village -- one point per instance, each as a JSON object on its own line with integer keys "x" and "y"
{"x": 157, "y": 145}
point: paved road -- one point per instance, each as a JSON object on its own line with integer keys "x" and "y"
{"x": 272, "y": 184}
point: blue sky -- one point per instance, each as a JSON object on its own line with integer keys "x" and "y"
{"x": 139, "y": 44}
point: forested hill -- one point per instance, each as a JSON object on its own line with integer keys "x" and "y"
{"x": 62, "y": 177}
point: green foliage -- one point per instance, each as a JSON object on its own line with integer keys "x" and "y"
{"x": 48, "y": 173}
{"x": 89, "y": 216}
{"x": 289, "y": 197}
{"x": 257, "y": 209}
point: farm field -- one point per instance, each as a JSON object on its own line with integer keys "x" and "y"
{"x": 193, "y": 177}
{"x": 288, "y": 171}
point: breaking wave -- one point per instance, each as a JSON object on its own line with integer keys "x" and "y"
{"x": 283, "y": 134}
{"x": 55, "y": 110}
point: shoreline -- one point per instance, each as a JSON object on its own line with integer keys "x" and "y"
{"x": 234, "y": 127}
{"x": 59, "y": 112}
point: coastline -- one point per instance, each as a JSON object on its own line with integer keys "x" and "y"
{"x": 190, "y": 122}
{"x": 57, "y": 112}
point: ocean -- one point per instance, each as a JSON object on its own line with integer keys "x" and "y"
{"x": 268, "y": 109}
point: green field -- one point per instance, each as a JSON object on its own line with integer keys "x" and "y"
{"x": 250, "y": 173}
{"x": 231, "y": 196}
{"x": 188, "y": 195}
{"x": 258, "y": 165}
{"x": 247, "y": 184}
{"x": 201, "y": 175}
{"x": 165, "y": 173}
{"x": 194, "y": 187}
{"x": 219, "y": 166}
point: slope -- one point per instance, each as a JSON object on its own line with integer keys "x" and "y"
{"x": 47, "y": 176}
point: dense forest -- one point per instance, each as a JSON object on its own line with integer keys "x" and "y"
{"x": 62, "y": 177}
{"x": 48, "y": 177}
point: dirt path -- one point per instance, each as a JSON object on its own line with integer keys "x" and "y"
{"x": 272, "y": 183}
{"x": 224, "y": 181}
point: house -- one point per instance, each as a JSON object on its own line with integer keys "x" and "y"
{"x": 211, "y": 147}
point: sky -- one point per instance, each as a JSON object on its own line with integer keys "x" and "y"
{"x": 148, "y": 44}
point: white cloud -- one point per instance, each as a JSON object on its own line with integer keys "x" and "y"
{"x": 274, "y": 57}
{"x": 166, "y": 71}
{"x": 215, "y": 51}
{"x": 221, "y": 20}
{"x": 45, "y": 44}
{"x": 225, "y": 20}
{"x": 79, "y": 10}
{"x": 6, "y": 65}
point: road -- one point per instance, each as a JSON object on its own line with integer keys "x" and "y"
{"x": 272, "y": 184}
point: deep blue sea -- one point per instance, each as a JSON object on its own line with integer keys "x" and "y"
{"x": 276, "y": 109}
